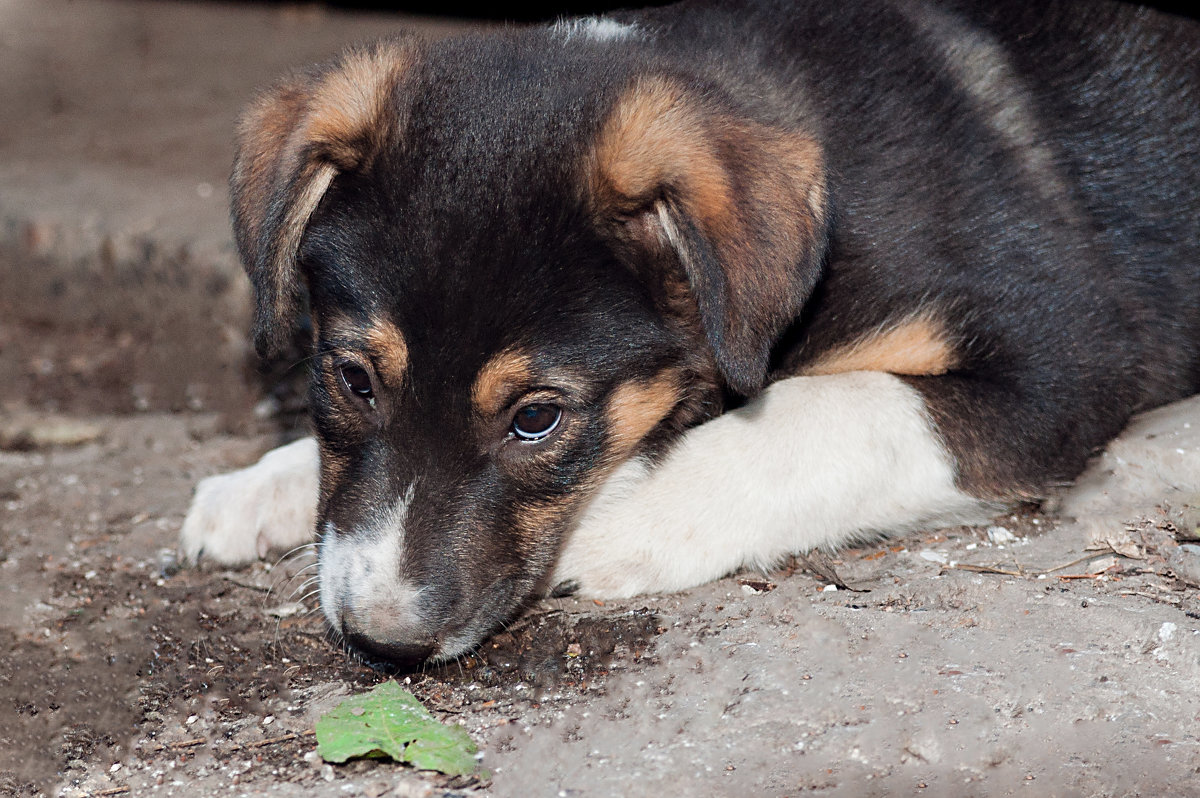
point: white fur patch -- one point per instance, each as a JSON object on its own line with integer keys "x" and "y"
{"x": 596, "y": 29}
{"x": 238, "y": 517}
{"x": 812, "y": 462}
{"x": 361, "y": 581}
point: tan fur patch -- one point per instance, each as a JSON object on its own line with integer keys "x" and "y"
{"x": 343, "y": 113}
{"x": 637, "y": 407}
{"x": 536, "y": 520}
{"x": 917, "y": 347}
{"x": 634, "y": 409}
{"x": 389, "y": 351}
{"x": 348, "y": 114}
{"x": 292, "y": 142}
{"x": 499, "y": 378}
{"x": 299, "y": 212}
{"x": 383, "y": 341}
{"x": 673, "y": 170}
{"x": 655, "y": 137}
{"x": 262, "y": 132}
{"x": 333, "y": 474}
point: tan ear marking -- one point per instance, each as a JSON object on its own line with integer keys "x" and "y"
{"x": 915, "y": 347}
{"x": 741, "y": 203}
{"x": 263, "y": 129}
{"x": 292, "y": 142}
{"x": 348, "y": 116}
{"x": 636, "y": 408}
{"x": 655, "y": 137}
{"x": 291, "y": 232}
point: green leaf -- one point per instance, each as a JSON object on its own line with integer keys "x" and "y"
{"x": 390, "y": 721}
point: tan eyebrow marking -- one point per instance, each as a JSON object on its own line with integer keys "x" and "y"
{"x": 381, "y": 339}
{"x": 637, "y": 407}
{"x": 498, "y": 379}
{"x": 389, "y": 349}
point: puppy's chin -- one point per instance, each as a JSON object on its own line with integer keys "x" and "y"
{"x": 499, "y": 604}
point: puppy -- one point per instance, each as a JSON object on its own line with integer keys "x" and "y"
{"x": 625, "y": 304}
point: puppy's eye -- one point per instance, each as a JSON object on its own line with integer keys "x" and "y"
{"x": 357, "y": 381}
{"x": 535, "y": 422}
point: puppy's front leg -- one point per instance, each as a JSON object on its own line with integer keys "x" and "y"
{"x": 813, "y": 461}
{"x": 237, "y": 517}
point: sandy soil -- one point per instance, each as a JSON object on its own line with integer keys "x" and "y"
{"x": 972, "y": 661}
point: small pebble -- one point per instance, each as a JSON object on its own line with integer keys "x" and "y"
{"x": 1000, "y": 535}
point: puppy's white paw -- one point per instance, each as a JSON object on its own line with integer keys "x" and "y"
{"x": 238, "y": 517}
{"x": 597, "y": 560}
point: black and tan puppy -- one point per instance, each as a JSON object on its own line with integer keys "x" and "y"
{"x": 625, "y": 304}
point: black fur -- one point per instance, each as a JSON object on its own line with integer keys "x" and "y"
{"x": 1026, "y": 174}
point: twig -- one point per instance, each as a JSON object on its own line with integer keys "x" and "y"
{"x": 283, "y": 738}
{"x": 109, "y": 791}
{"x": 1100, "y": 553}
{"x": 247, "y": 585}
{"x": 179, "y": 745}
{"x": 991, "y": 569}
{"x": 1152, "y": 597}
{"x": 985, "y": 569}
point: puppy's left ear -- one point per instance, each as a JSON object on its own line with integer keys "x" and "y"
{"x": 738, "y": 204}
{"x": 292, "y": 142}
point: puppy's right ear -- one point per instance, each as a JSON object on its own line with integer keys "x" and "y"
{"x": 738, "y": 203}
{"x": 292, "y": 142}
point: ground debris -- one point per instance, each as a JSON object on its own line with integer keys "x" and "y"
{"x": 45, "y": 432}
{"x": 223, "y": 692}
{"x": 821, "y": 566}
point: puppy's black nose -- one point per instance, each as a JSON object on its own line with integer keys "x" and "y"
{"x": 405, "y": 656}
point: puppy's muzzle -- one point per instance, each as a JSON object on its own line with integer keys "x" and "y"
{"x": 366, "y": 598}
{"x": 385, "y": 626}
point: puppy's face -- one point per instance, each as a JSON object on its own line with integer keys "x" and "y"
{"x": 475, "y": 380}
{"x": 520, "y": 274}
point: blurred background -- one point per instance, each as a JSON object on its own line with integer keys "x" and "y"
{"x": 512, "y": 12}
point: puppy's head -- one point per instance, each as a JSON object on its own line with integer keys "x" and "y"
{"x": 522, "y": 270}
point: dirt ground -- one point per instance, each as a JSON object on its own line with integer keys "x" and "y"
{"x": 1048, "y": 654}
{"x": 998, "y": 660}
